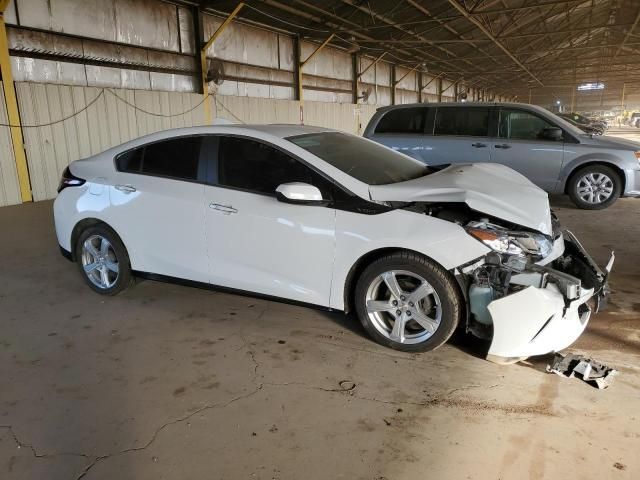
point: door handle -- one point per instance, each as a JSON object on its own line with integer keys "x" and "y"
{"x": 478, "y": 145}
{"x": 503, "y": 145}
{"x": 125, "y": 188}
{"x": 226, "y": 209}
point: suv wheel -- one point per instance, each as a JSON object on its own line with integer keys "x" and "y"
{"x": 594, "y": 187}
{"x": 103, "y": 260}
{"x": 407, "y": 302}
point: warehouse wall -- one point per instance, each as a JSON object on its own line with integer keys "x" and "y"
{"x": 96, "y": 119}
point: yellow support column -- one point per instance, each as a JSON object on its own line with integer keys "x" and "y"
{"x": 203, "y": 58}
{"x": 12, "y": 111}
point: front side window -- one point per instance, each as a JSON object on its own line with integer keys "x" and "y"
{"x": 521, "y": 125}
{"x": 175, "y": 158}
{"x": 254, "y": 166}
{"x": 403, "y": 120}
{"x": 462, "y": 121}
{"x": 362, "y": 159}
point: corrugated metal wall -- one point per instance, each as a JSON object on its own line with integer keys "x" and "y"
{"x": 9, "y": 187}
{"x": 107, "y": 122}
{"x": 116, "y": 116}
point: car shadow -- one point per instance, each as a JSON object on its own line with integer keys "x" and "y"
{"x": 460, "y": 340}
{"x": 561, "y": 201}
{"x": 347, "y": 322}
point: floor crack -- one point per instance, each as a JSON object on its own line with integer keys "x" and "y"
{"x": 162, "y": 427}
{"x": 33, "y": 450}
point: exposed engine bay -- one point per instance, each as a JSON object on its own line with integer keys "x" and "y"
{"x": 529, "y": 294}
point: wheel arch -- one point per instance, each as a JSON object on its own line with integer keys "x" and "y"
{"x": 367, "y": 259}
{"x": 590, "y": 163}
{"x": 81, "y": 226}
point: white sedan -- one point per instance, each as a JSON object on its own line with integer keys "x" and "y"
{"x": 323, "y": 218}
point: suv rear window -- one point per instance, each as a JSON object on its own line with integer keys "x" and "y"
{"x": 463, "y": 121}
{"x": 403, "y": 120}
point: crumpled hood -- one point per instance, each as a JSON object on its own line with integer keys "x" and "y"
{"x": 488, "y": 188}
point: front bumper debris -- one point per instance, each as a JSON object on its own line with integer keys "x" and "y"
{"x": 545, "y": 309}
{"x": 592, "y": 372}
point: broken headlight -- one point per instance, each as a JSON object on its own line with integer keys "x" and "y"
{"x": 513, "y": 243}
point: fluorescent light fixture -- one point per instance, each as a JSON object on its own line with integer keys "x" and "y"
{"x": 591, "y": 86}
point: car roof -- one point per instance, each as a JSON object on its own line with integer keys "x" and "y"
{"x": 464, "y": 104}
{"x": 281, "y": 130}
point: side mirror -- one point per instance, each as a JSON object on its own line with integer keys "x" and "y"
{"x": 299, "y": 193}
{"x": 553, "y": 133}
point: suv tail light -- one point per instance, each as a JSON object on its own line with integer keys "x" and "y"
{"x": 68, "y": 179}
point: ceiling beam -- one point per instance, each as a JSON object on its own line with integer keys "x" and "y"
{"x": 489, "y": 35}
{"x": 626, "y": 37}
{"x": 569, "y": 30}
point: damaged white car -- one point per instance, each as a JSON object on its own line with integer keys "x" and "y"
{"x": 324, "y": 218}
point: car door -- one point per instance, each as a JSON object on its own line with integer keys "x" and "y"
{"x": 519, "y": 145}
{"x": 257, "y": 243}
{"x": 460, "y": 135}
{"x": 157, "y": 207}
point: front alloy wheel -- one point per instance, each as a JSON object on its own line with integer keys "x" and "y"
{"x": 595, "y": 187}
{"x": 403, "y": 307}
{"x": 407, "y": 302}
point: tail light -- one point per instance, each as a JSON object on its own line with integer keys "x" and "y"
{"x": 68, "y": 179}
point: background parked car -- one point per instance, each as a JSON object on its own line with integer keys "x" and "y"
{"x": 590, "y": 128}
{"x": 582, "y": 120}
{"x": 634, "y": 119}
{"x": 551, "y": 152}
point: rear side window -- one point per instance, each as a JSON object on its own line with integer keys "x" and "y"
{"x": 403, "y": 120}
{"x": 260, "y": 168}
{"x": 464, "y": 121}
{"x": 175, "y": 158}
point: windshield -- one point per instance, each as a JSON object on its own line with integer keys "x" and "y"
{"x": 362, "y": 159}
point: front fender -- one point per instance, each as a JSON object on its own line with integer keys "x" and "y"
{"x": 446, "y": 243}
{"x": 595, "y": 157}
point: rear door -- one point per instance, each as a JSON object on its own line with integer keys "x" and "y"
{"x": 460, "y": 135}
{"x": 157, "y": 207}
{"x": 519, "y": 145}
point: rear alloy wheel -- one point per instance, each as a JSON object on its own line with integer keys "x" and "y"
{"x": 103, "y": 260}
{"x": 407, "y": 302}
{"x": 594, "y": 187}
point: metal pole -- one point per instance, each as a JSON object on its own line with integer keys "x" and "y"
{"x": 372, "y": 64}
{"x": 13, "y": 113}
{"x": 203, "y": 58}
{"x": 573, "y": 98}
{"x": 301, "y": 64}
{"x": 393, "y": 84}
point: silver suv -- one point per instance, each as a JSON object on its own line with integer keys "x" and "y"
{"x": 549, "y": 151}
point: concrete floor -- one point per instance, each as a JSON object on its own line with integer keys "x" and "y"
{"x": 172, "y": 382}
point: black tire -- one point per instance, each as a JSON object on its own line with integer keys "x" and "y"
{"x": 572, "y": 186}
{"x": 117, "y": 253}
{"x": 441, "y": 281}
